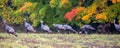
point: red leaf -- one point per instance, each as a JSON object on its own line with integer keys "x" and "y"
{"x": 70, "y": 15}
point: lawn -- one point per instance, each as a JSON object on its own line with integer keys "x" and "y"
{"x": 44, "y": 40}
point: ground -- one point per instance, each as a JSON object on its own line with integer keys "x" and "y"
{"x": 44, "y": 40}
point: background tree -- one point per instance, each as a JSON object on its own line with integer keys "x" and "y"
{"x": 73, "y": 12}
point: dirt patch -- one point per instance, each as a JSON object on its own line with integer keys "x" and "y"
{"x": 67, "y": 39}
{"x": 55, "y": 45}
{"x": 2, "y": 37}
{"x": 91, "y": 45}
{"x": 103, "y": 45}
{"x": 46, "y": 37}
{"x": 27, "y": 40}
{"x": 7, "y": 39}
{"x": 61, "y": 45}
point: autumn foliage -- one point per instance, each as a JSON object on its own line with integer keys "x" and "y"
{"x": 92, "y": 9}
{"x": 115, "y": 1}
{"x": 76, "y": 12}
{"x": 101, "y": 16}
{"x": 86, "y": 17}
{"x": 70, "y": 15}
{"x": 26, "y": 4}
{"x": 52, "y": 3}
{"x": 64, "y": 1}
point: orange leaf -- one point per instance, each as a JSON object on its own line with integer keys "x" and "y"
{"x": 118, "y": 0}
{"x": 70, "y": 15}
{"x": 64, "y": 1}
{"x": 114, "y": 1}
{"x": 101, "y": 16}
{"x": 26, "y": 4}
{"x": 22, "y": 9}
{"x": 79, "y": 9}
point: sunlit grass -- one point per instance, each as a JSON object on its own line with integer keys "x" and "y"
{"x": 44, "y": 40}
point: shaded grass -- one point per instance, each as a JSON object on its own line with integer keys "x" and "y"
{"x": 35, "y": 40}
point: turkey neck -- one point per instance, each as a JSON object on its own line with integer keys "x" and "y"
{"x": 41, "y": 23}
{"x": 25, "y": 22}
{"x": 5, "y": 24}
{"x": 116, "y": 20}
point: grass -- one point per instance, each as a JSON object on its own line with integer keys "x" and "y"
{"x": 44, "y": 40}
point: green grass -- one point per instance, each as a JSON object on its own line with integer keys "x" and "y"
{"x": 37, "y": 40}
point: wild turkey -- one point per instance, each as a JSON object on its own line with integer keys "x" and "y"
{"x": 28, "y": 26}
{"x": 9, "y": 29}
{"x": 69, "y": 28}
{"x": 116, "y": 25}
{"x": 59, "y": 27}
{"x": 86, "y": 29}
{"x": 100, "y": 28}
{"x": 45, "y": 27}
{"x": 104, "y": 28}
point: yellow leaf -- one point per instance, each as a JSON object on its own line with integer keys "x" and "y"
{"x": 101, "y": 16}
{"x": 84, "y": 18}
{"x": 92, "y": 9}
{"x": 27, "y": 4}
